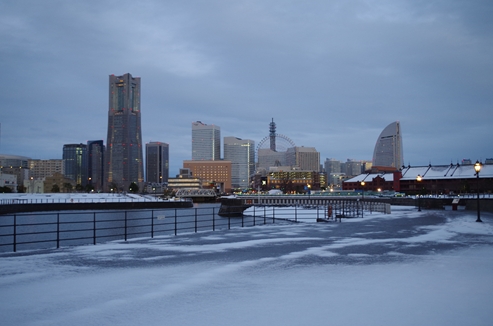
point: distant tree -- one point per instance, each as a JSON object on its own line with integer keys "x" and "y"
{"x": 78, "y": 187}
{"x": 169, "y": 193}
{"x": 5, "y": 190}
{"x": 133, "y": 188}
{"x": 55, "y": 188}
{"x": 67, "y": 186}
{"x": 113, "y": 187}
{"x": 21, "y": 189}
{"x": 286, "y": 183}
{"x": 89, "y": 188}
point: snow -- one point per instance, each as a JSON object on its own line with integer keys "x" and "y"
{"x": 75, "y": 197}
{"x": 405, "y": 268}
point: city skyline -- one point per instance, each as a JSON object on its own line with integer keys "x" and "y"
{"x": 332, "y": 75}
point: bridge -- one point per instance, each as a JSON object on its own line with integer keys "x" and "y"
{"x": 334, "y": 206}
{"x": 197, "y": 194}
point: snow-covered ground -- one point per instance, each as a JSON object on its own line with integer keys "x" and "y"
{"x": 406, "y": 268}
{"x": 75, "y": 197}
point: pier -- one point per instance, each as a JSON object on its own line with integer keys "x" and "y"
{"x": 335, "y": 207}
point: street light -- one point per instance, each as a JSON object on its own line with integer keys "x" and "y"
{"x": 477, "y": 168}
{"x": 362, "y": 197}
{"x": 419, "y": 178}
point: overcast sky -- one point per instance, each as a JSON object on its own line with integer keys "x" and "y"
{"x": 332, "y": 74}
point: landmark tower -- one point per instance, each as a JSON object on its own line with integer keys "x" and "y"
{"x": 124, "y": 142}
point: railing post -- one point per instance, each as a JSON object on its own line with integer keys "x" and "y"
{"x": 15, "y": 233}
{"x": 195, "y": 219}
{"x": 175, "y": 223}
{"x": 213, "y": 219}
{"x": 57, "y": 230}
{"x": 125, "y": 225}
{"x": 265, "y": 217}
{"x": 94, "y": 228}
{"x": 296, "y": 213}
{"x": 152, "y": 224}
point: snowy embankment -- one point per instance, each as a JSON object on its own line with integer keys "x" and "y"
{"x": 406, "y": 268}
{"x": 75, "y": 198}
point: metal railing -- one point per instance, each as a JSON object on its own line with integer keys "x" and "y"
{"x": 334, "y": 210}
{"x": 29, "y": 231}
{"x": 59, "y": 200}
{"x": 47, "y": 230}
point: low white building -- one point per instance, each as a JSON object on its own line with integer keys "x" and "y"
{"x": 34, "y": 186}
{"x": 8, "y": 180}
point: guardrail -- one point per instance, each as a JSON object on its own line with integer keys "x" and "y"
{"x": 47, "y": 230}
{"x": 30, "y": 231}
{"x": 116, "y": 199}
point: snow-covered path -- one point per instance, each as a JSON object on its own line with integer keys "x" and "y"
{"x": 407, "y": 268}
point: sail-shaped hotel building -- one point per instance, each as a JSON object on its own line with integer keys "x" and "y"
{"x": 388, "y": 149}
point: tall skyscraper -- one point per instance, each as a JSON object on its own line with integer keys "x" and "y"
{"x": 124, "y": 144}
{"x": 95, "y": 164}
{"x": 388, "y": 149}
{"x": 206, "y": 142}
{"x": 75, "y": 163}
{"x": 241, "y": 153}
{"x": 157, "y": 162}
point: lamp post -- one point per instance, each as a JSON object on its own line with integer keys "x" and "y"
{"x": 477, "y": 168}
{"x": 362, "y": 197}
{"x": 419, "y": 178}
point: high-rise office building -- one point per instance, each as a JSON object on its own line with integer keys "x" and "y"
{"x": 332, "y": 165}
{"x": 75, "y": 163}
{"x": 241, "y": 153}
{"x": 352, "y": 167}
{"x": 305, "y": 158}
{"x": 124, "y": 144}
{"x": 95, "y": 164}
{"x": 388, "y": 149}
{"x": 157, "y": 162}
{"x": 206, "y": 142}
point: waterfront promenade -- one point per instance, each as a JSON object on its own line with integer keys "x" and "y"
{"x": 405, "y": 268}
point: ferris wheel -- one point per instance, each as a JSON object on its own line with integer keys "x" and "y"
{"x": 282, "y": 143}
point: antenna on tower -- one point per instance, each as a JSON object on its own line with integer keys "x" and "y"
{"x": 272, "y": 135}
